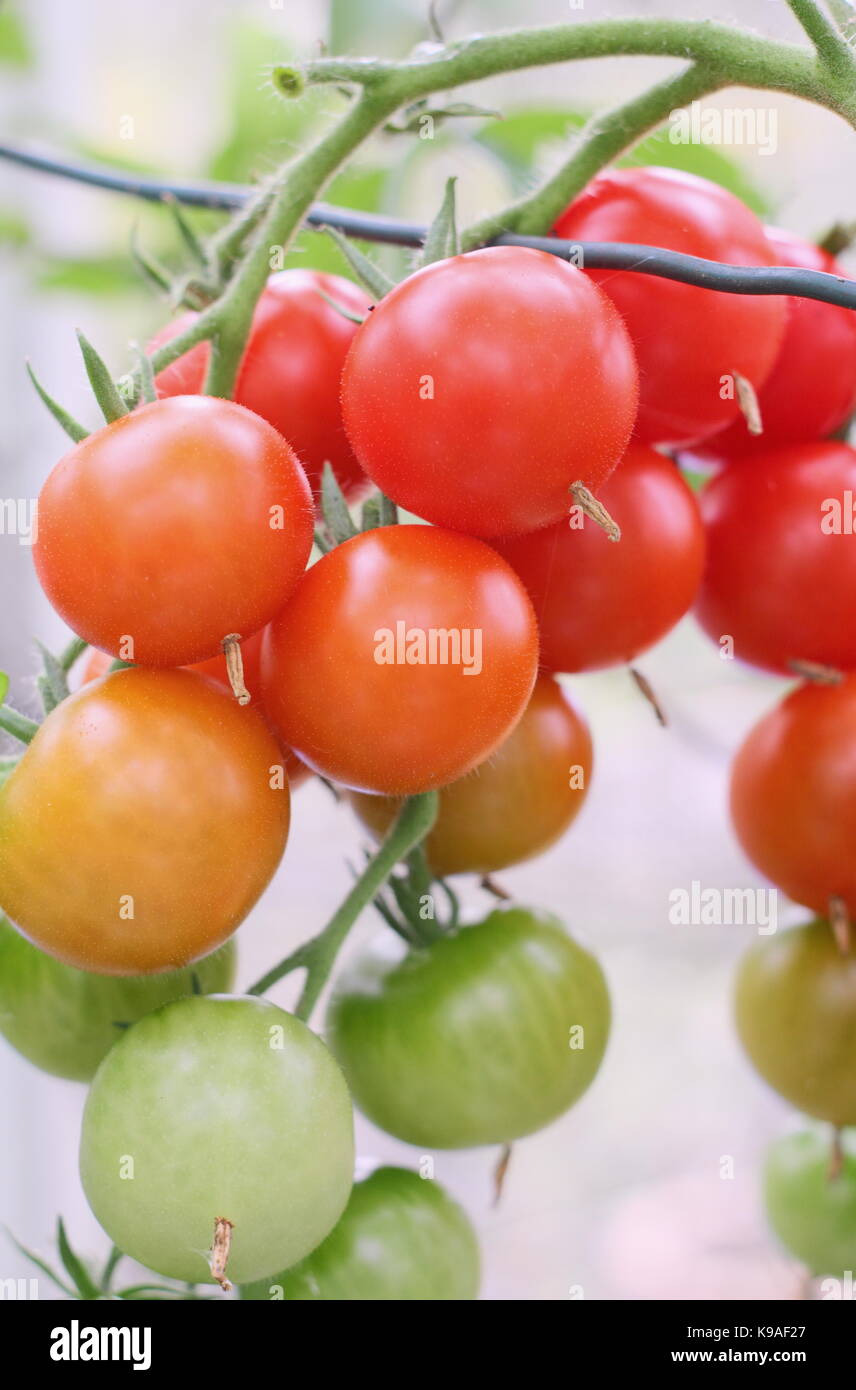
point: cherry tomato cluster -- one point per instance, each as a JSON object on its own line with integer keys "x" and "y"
{"x": 525, "y": 409}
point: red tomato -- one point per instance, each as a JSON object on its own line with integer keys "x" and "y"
{"x": 599, "y": 602}
{"x": 793, "y": 795}
{"x": 178, "y": 524}
{"x": 687, "y": 339}
{"x": 98, "y": 664}
{"x": 780, "y": 577}
{"x": 514, "y": 805}
{"x": 482, "y": 388}
{"x": 811, "y": 390}
{"x": 404, "y": 658}
{"x": 142, "y": 823}
{"x": 291, "y": 371}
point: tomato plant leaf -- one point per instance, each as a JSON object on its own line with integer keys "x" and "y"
{"x": 43, "y": 1266}
{"x": 442, "y": 239}
{"x": 74, "y": 1266}
{"x": 106, "y": 392}
{"x": 62, "y": 417}
{"x": 369, "y": 275}
{"x": 52, "y": 684}
{"x": 339, "y": 521}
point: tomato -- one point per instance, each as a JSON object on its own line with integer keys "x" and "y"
{"x": 796, "y": 1016}
{"x": 483, "y": 1037}
{"x": 217, "y": 1108}
{"x": 781, "y": 560}
{"x": 141, "y": 824}
{"x": 812, "y": 1213}
{"x": 600, "y": 603}
{"x": 688, "y": 340}
{"x": 811, "y": 389}
{"x": 404, "y": 658}
{"x": 401, "y": 1238}
{"x": 172, "y": 527}
{"x": 516, "y": 804}
{"x": 64, "y": 1020}
{"x": 98, "y": 664}
{"x": 291, "y": 370}
{"x": 793, "y": 795}
{"x": 481, "y": 388}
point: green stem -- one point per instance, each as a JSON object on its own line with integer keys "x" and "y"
{"x": 294, "y": 192}
{"x": 317, "y": 956}
{"x": 740, "y": 56}
{"x": 17, "y": 724}
{"x": 832, "y": 48}
{"x": 72, "y": 653}
{"x": 606, "y": 136}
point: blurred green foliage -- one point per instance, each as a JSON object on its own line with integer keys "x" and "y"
{"x": 263, "y": 128}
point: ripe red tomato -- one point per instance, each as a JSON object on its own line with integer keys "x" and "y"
{"x": 687, "y": 339}
{"x": 178, "y": 524}
{"x": 292, "y": 367}
{"x": 516, "y": 804}
{"x": 481, "y": 388}
{"x": 793, "y": 795}
{"x": 780, "y": 574}
{"x": 404, "y": 658}
{"x": 600, "y": 603}
{"x": 141, "y": 824}
{"x": 811, "y": 390}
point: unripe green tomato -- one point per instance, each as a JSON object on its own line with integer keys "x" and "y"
{"x": 796, "y": 1016}
{"x": 486, "y": 1035}
{"x": 64, "y": 1020}
{"x": 401, "y": 1238}
{"x": 218, "y": 1107}
{"x": 812, "y": 1213}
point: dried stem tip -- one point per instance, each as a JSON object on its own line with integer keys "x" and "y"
{"x": 220, "y": 1251}
{"x": 590, "y": 507}
{"x": 235, "y": 667}
{"x": 836, "y": 1157}
{"x": 813, "y": 671}
{"x": 747, "y": 399}
{"x": 839, "y": 920}
{"x": 500, "y": 1172}
{"x": 644, "y": 685}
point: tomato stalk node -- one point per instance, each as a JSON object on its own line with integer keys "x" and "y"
{"x": 235, "y": 667}
{"x": 500, "y": 1173}
{"x": 747, "y": 399}
{"x": 220, "y": 1248}
{"x": 596, "y": 511}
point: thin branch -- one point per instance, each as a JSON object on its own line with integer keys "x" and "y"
{"x": 832, "y": 48}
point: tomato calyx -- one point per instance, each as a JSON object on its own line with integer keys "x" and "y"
{"x": 407, "y": 902}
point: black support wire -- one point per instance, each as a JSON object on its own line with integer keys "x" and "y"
{"x": 594, "y": 255}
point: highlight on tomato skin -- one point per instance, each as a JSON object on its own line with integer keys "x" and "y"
{"x": 174, "y": 526}
{"x": 484, "y": 386}
{"x": 291, "y": 369}
{"x": 780, "y": 570}
{"x": 402, "y": 660}
{"x": 142, "y": 823}
{"x": 601, "y": 603}
{"x": 689, "y": 341}
{"x": 517, "y": 803}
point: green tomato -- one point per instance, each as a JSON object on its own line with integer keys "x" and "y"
{"x": 401, "y": 1238}
{"x": 486, "y": 1035}
{"x": 64, "y": 1020}
{"x": 218, "y": 1107}
{"x": 796, "y": 1016}
{"x": 812, "y": 1214}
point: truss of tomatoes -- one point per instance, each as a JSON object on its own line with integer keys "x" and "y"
{"x": 151, "y": 809}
